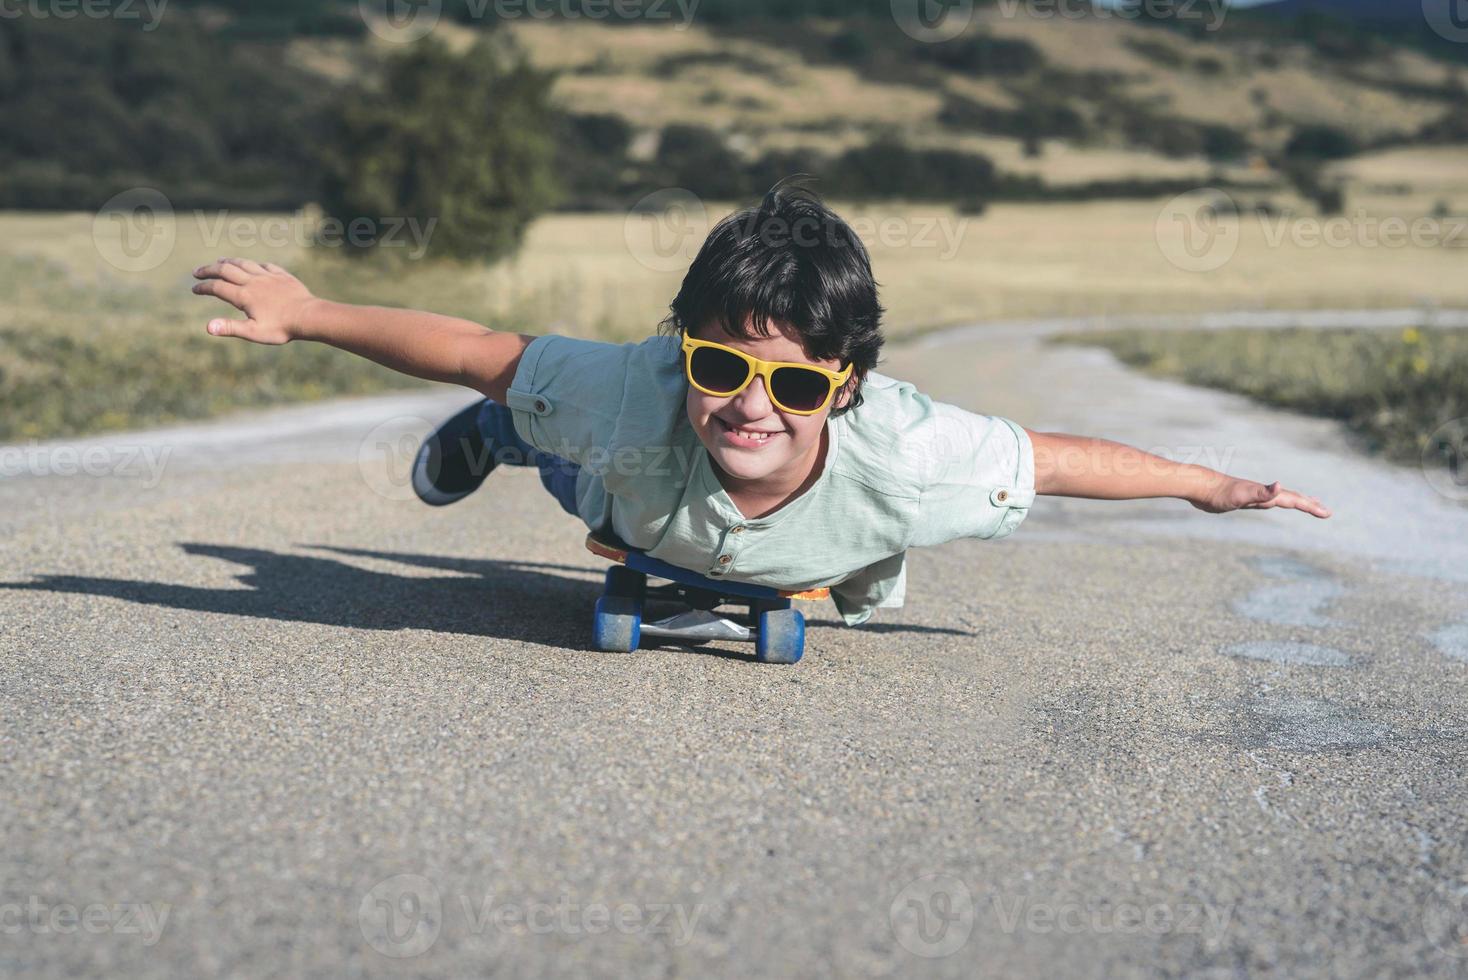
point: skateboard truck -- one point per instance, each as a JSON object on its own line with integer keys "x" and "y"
{"x": 777, "y": 630}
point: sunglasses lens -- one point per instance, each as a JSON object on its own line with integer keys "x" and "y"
{"x": 718, "y": 370}
{"x": 799, "y": 388}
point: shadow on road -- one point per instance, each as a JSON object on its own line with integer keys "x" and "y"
{"x": 520, "y": 600}
{"x": 510, "y": 599}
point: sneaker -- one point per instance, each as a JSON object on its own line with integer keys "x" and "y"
{"x": 454, "y": 461}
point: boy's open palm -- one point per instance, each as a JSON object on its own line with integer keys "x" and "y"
{"x": 1233, "y": 493}
{"x": 271, "y": 299}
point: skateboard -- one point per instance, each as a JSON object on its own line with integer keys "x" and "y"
{"x": 777, "y": 630}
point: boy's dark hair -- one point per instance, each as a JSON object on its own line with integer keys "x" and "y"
{"x": 794, "y": 260}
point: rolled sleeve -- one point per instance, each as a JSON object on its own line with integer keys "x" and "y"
{"x": 567, "y": 395}
{"x": 979, "y": 476}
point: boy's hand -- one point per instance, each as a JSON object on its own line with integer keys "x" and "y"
{"x": 271, "y": 298}
{"x": 1232, "y": 493}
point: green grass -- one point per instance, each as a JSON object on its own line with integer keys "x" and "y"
{"x": 1392, "y": 388}
{"x": 78, "y": 359}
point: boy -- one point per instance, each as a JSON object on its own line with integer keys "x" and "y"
{"x": 752, "y": 440}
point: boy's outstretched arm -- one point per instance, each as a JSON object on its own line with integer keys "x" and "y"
{"x": 279, "y": 308}
{"x": 1079, "y": 466}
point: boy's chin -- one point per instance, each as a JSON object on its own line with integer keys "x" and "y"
{"x": 745, "y": 465}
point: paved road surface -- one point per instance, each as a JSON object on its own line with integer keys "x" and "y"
{"x": 265, "y": 717}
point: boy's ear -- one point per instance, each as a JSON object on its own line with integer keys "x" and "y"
{"x": 846, "y": 391}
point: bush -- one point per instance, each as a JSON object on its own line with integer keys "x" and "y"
{"x": 695, "y": 158}
{"x": 851, "y": 46}
{"x": 1319, "y": 142}
{"x": 1224, "y": 142}
{"x": 888, "y": 169}
{"x": 456, "y": 139}
{"x": 109, "y": 106}
{"x": 983, "y": 55}
{"x": 1033, "y": 120}
{"x": 591, "y": 158}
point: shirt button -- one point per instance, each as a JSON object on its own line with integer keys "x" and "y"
{"x": 725, "y": 559}
{"x": 737, "y": 529}
{"x": 1002, "y": 496}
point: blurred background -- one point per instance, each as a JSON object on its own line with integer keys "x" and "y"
{"x": 553, "y": 165}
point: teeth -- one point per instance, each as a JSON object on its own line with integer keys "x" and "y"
{"x": 749, "y": 434}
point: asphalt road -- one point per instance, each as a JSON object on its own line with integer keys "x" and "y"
{"x": 264, "y": 715}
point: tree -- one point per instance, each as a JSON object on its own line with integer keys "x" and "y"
{"x": 459, "y": 140}
{"x": 1319, "y": 143}
{"x": 696, "y": 158}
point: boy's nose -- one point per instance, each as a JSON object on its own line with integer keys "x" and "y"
{"x": 753, "y": 403}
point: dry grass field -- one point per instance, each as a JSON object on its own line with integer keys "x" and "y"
{"x": 129, "y": 337}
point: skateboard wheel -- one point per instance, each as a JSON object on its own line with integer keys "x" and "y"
{"x": 781, "y": 638}
{"x": 623, "y": 581}
{"x": 618, "y": 623}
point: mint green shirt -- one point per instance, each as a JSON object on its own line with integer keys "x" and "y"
{"x": 901, "y": 471}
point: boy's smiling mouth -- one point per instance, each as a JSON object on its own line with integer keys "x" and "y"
{"x": 743, "y": 437}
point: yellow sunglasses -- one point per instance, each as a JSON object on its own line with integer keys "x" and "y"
{"x": 800, "y": 389}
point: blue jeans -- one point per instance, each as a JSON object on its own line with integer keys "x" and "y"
{"x": 557, "y": 474}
